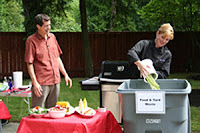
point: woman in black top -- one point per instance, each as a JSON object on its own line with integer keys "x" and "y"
{"x": 154, "y": 50}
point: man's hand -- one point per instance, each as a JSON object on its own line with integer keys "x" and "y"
{"x": 63, "y": 71}
{"x": 68, "y": 81}
{"x": 37, "y": 89}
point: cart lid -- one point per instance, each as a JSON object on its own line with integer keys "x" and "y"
{"x": 170, "y": 86}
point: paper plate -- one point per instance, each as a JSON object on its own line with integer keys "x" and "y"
{"x": 71, "y": 110}
{"x": 93, "y": 112}
{"x": 37, "y": 115}
{"x": 3, "y": 87}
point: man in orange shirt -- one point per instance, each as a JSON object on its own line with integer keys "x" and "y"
{"x": 44, "y": 64}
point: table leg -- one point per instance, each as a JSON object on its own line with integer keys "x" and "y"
{"x": 7, "y": 101}
{"x": 27, "y": 102}
{"x": 0, "y": 126}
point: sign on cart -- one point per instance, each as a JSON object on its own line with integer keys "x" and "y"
{"x": 150, "y": 102}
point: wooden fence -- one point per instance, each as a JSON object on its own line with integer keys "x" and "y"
{"x": 104, "y": 46}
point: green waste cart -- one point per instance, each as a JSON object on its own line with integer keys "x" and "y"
{"x": 156, "y": 111}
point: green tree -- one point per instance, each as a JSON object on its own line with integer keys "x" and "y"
{"x": 70, "y": 23}
{"x": 50, "y": 7}
{"x": 112, "y": 15}
{"x": 85, "y": 42}
{"x": 126, "y": 16}
{"x": 182, "y": 14}
{"x": 11, "y": 18}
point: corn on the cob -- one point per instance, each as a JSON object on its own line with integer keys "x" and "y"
{"x": 63, "y": 103}
{"x": 85, "y": 105}
{"x": 151, "y": 81}
{"x": 81, "y": 106}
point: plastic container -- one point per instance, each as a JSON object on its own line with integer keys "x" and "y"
{"x": 176, "y": 118}
{"x": 150, "y": 68}
{"x": 101, "y": 109}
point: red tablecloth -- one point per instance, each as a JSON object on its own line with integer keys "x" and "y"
{"x": 101, "y": 122}
{"x": 16, "y": 90}
{"x": 4, "y": 113}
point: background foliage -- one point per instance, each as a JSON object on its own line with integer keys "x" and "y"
{"x": 102, "y": 15}
{"x": 53, "y": 8}
{"x": 182, "y": 14}
{"x": 11, "y": 18}
{"x": 70, "y": 22}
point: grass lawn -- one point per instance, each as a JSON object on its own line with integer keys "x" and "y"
{"x": 194, "y": 83}
{"x": 18, "y": 108}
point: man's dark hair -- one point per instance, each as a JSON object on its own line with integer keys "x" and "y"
{"x": 39, "y": 19}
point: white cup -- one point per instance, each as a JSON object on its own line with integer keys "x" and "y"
{"x": 18, "y": 79}
{"x": 101, "y": 109}
{"x": 151, "y": 70}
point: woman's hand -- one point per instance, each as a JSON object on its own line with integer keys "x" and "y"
{"x": 142, "y": 68}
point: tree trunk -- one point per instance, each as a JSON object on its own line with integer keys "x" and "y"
{"x": 85, "y": 41}
{"x": 26, "y": 13}
{"x": 113, "y": 14}
{"x": 29, "y": 13}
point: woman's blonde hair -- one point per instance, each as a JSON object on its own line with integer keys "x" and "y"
{"x": 167, "y": 30}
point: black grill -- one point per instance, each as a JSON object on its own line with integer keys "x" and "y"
{"x": 116, "y": 70}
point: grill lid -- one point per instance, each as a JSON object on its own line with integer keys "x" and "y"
{"x": 116, "y": 70}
